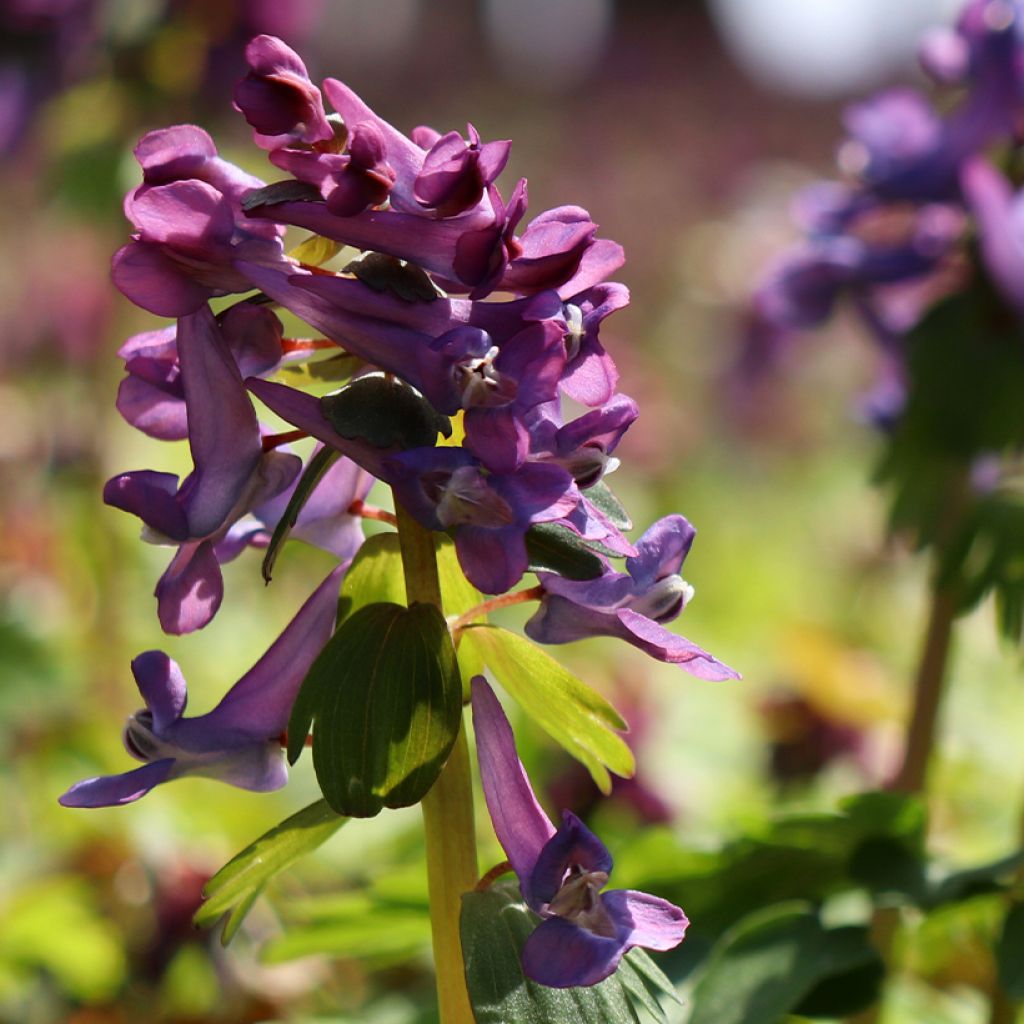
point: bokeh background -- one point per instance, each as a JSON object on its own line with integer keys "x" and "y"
{"x": 685, "y": 128}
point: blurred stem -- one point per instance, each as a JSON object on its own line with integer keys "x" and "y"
{"x": 447, "y": 808}
{"x": 929, "y": 688}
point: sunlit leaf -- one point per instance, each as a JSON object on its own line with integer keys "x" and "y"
{"x": 234, "y": 888}
{"x": 386, "y": 700}
{"x": 568, "y": 710}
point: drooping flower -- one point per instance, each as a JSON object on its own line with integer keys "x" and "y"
{"x": 232, "y": 475}
{"x": 239, "y": 741}
{"x": 630, "y": 605}
{"x": 277, "y": 97}
{"x": 584, "y": 932}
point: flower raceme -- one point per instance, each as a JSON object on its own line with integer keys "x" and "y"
{"x": 461, "y": 315}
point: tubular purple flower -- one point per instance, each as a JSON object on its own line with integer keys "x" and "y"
{"x": 456, "y": 174}
{"x": 239, "y": 741}
{"x": 232, "y": 475}
{"x": 631, "y": 605}
{"x": 487, "y": 514}
{"x": 277, "y": 97}
{"x": 584, "y": 932}
{"x": 152, "y": 398}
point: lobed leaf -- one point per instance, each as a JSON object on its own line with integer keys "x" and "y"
{"x": 568, "y": 710}
{"x": 235, "y": 888}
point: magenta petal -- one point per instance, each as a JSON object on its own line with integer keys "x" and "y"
{"x": 522, "y": 827}
{"x": 591, "y": 379}
{"x": 190, "y": 590}
{"x": 143, "y": 273}
{"x": 111, "y": 790}
{"x": 654, "y": 923}
{"x": 162, "y": 687}
{"x": 659, "y": 643}
{"x": 560, "y": 954}
{"x": 152, "y": 497}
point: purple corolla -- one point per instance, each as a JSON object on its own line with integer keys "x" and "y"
{"x": 584, "y": 932}
{"x": 240, "y": 740}
{"x": 278, "y": 99}
{"x": 152, "y": 396}
{"x": 630, "y": 605}
{"x": 455, "y": 173}
{"x": 232, "y": 475}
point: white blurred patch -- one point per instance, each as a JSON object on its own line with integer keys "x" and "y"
{"x": 551, "y": 45}
{"x": 826, "y": 48}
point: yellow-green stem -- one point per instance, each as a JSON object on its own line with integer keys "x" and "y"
{"x": 447, "y": 808}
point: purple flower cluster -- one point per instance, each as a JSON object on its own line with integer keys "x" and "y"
{"x": 918, "y": 171}
{"x": 469, "y": 310}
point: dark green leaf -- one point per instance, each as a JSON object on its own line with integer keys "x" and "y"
{"x": 384, "y": 412}
{"x": 980, "y": 881}
{"x": 600, "y": 494}
{"x": 554, "y": 548}
{"x": 495, "y": 924}
{"x": 385, "y": 273}
{"x": 290, "y": 191}
{"x": 237, "y": 885}
{"x": 1010, "y": 953}
{"x": 888, "y": 866}
{"x": 386, "y": 700}
{"x": 773, "y": 960}
{"x": 311, "y": 476}
{"x": 568, "y": 710}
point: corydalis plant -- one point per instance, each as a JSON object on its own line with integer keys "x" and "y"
{"x": 459, "y": 312}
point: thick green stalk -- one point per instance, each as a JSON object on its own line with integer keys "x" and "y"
{"x": 447, "y": 808}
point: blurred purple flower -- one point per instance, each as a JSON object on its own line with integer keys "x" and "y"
{"x": 239, "y": 741}
{"x": 584, "y": 932}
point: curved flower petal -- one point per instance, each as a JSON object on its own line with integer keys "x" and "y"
{"x": 191, "y": 589}
{"x": 522, "y": 827}
{"x": 659, "y": 643}
{"x": 162, "y": 687}
{"x": 654, "y": 923}
{"x": 110, "y": 790}
{"x": 573, "y": 843}
{"x": 560, "y": 954}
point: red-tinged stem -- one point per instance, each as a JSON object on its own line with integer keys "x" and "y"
{"x": 504, "y": 601}
{"x": 291, "y": 345}
{"x": 493, "y": 875}
{"x": 317, "y": 270}
{"x": 364, "y": 511}
{"x": 272, "y": 441}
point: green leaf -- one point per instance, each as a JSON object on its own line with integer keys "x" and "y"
{"x": 774, "y": 960}
{"x": 321, "y": 371}
{"x": 557, "y": 549}
{"x": 389, "y": 274}
{"x": 1010, "y": 953}
{"x": 568, "y": 710}
{"x": 386, "y": 699}
{"x": 352, "y": 925}
{"x": 375, "y": 575}
{"x": 290, "y": 191}
{"x": 600, "y": 494}
{"x": 494, "y": 926}
{"x": 966, "y": 884}
{"x": 384, "y": 412}
{"x": 236, "y": 886}
{"x": 311, "y": 476}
